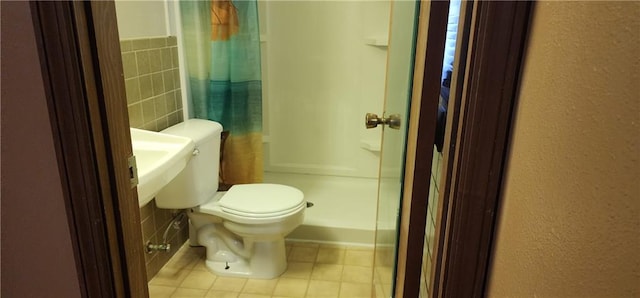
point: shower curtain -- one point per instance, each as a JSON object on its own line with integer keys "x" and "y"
{"x": 222, "y": 45}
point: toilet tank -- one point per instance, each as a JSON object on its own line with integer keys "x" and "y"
{"x": 199, "y": 180}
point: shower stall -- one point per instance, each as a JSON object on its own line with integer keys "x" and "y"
{"x": 323, "y": 68}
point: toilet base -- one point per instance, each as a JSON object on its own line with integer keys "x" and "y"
{"x": 267, "y": 261}
{"x": 235, "y": 269}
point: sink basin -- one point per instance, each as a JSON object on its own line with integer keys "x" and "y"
{"x": 160, "y": 158}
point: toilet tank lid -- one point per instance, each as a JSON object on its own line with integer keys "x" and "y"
{"x": 199, "y": 130}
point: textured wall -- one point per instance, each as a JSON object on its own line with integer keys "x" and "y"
{"x": 570, "y": 219}
{"x": 37, "y": 252}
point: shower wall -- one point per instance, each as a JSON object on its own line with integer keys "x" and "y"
{"x": 323, "y": 66}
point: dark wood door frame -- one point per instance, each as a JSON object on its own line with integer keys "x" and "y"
{"x": 487, "y": 92}
{"x": 71, "y": 129}
{"x": 430, "y": 41}
{"x": 79, "y": 53}
{"x": 83, "y": 73}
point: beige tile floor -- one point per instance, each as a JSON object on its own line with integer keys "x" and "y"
{"x": 314, "y": 270}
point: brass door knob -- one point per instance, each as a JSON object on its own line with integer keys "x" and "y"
{"x": 372, "y": 120}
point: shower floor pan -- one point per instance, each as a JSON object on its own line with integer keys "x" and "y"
{"x": 344, "y": 208}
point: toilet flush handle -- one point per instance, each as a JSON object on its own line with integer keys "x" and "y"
{"x": 195, "y": 152}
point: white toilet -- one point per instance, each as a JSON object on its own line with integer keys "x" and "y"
{"x": 242, "y": 229}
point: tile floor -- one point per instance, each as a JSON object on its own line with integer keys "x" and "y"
{"x": 314, "y": 270}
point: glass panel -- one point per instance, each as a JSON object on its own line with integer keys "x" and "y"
{"x": 398, "y": 91}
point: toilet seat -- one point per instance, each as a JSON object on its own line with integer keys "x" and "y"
{"x": 261, "y": 200}
{"x": 255, "y": 203}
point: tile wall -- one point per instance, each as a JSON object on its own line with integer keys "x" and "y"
{"x": 152, "y": 81}
{"x": 434, "y": 195}
{"x": 154, "y": 101}
{"x": 155, "y": 222}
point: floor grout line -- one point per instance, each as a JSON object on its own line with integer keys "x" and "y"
{"x": 355, "y": 259}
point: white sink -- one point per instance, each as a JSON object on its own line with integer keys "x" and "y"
{"x": 160, "y": 158}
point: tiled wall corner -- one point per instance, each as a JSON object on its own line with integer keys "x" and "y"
{"x": 154, "y": 101}
{"x": 155, "y": 222}
{"x": 152, "y": 82}
{"x": 429, "y": 237}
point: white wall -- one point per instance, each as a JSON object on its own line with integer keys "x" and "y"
{"x": 137, "y": 19}
{"x": 320, "y": 78}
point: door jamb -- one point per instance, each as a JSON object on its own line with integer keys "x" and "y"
{"x": 473, "y": 177}
{"x": 430, "y": 41}
{"x": 79, "y": 52}
{"x": 71, "y": 133}
{"x": 102, "y": 139}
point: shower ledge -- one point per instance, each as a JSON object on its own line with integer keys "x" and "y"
{"x": 371, "y": 145}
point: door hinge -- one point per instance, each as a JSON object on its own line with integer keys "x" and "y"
{"x": 133, "y": 171}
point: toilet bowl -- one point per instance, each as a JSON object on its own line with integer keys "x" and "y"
{"x": 242, "y": 229}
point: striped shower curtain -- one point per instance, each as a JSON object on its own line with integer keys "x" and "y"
{"x": 222, "y": 45}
